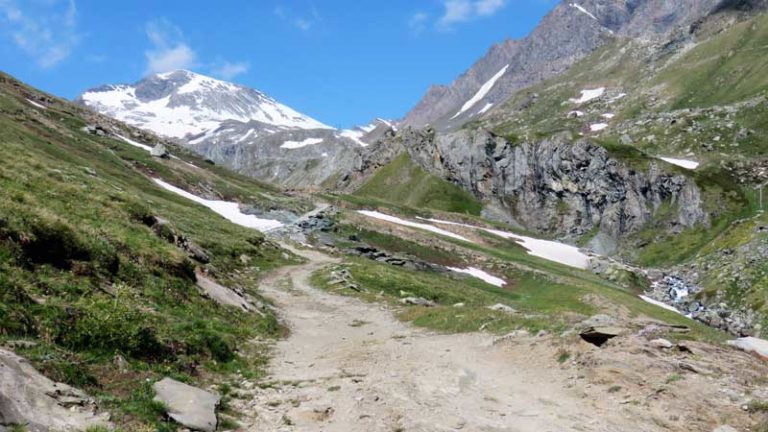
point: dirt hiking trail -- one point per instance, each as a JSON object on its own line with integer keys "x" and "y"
{"x": 351, "y": 366}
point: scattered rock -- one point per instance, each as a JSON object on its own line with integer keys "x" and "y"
{"x": 160, "y": 151}
{"x": 187, "y": 405}
{"x": 418, "y": 301}
{"x": 28, "y": 398}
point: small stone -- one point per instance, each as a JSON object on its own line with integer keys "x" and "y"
{"x": 418, "y": 301}
{"x": 661, "y": 344}
{"x": 498, "y": 307}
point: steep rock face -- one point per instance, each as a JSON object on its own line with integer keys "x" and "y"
{"x": 567, "y": 34}
{"x": 555, "y": 185}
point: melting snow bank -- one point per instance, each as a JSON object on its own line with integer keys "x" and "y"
{"x": 547, "y": 249}
{"x": 588, "y": 95}
{"x": 597, "y": 127}
{"x": 660, "y": 304}
{"x": 397, "y": 220}
{"x": 480, "y": 274}
{"x": 685, "y": 163}
{"x": 300, "y": 144}
{"x": 228, "y": 210}
{"x": 752, "y": 345}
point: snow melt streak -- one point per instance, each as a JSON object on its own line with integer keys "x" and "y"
{"x": 228, "y": 210}
{"x": 685, "y": 163}
{"x": 300, "y": 144}
{"x": 397, "y": 220}
{"x": 482, "y": 92}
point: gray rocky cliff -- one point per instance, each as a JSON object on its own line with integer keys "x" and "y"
{"x": 555, "y": 185}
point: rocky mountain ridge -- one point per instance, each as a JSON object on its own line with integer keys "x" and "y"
{"x": 571, "y": 31}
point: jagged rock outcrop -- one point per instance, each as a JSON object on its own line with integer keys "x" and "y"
{"x": 35, "y": 403}
{"x": 556, "y": 185}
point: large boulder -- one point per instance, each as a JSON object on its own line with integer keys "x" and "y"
{"x": 38, "y": 404}
{"x": 752, "y": 345}
{"x": 189, "y": 406}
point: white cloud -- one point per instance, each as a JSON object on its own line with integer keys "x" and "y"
{"x": 227, "y": 70}
{"x": 489, "y": 7}
{"x": 45, "y": 31}
{"x": 169, "y": 51}
{"x": 458, "y": 11}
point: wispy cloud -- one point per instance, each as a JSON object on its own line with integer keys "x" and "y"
{"x": 169, "y": 50}
{"x": 45, "y": 31}
{"x": 458, "y": 11}
{"x": 418, "y": 22}
{"x": 227, "y": 70}
{"x": 303, "y": 21}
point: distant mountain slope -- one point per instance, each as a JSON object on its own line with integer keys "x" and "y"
{"x": 567, "y": 34}
{"x": 237, "y": 126}
{"x": 181, "y": 103}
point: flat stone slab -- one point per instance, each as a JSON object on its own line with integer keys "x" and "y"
{"x": 221, "y": 294}
{"x": 33, "y": 401}
{"x": 187, "y": 405}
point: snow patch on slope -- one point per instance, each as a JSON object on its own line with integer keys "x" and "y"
{"x": 484, "y": 90}
{"x": 35, "y": 104}
{"x": 684, "y": 163}
{"x": 485, "y": 108}
{"x": 547, "y": 249}
{"x": 480, "y": 274}
{"x": 659, "y": 304}
{"x": 355, "y": 135}
{"x": 397, "y": 220}
{"x": 597, "y": 127}
{"x": 135, "y": 144}
{"x": 584, "y": 11}
{"x": 228, "y": 210}
{"x": 300, "y": 144}
{"x": 588, "y": 95}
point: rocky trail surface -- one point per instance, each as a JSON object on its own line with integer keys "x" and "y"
{"x": 352, "y": 366}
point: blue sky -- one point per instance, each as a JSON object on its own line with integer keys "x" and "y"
{"x": 342, "y": 62}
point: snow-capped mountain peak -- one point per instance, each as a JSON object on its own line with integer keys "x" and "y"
{"x": 182, "y": 103}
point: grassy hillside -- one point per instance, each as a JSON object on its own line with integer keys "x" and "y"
{"x": 83, "y": 279}
{"x": 404, "y": 183}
